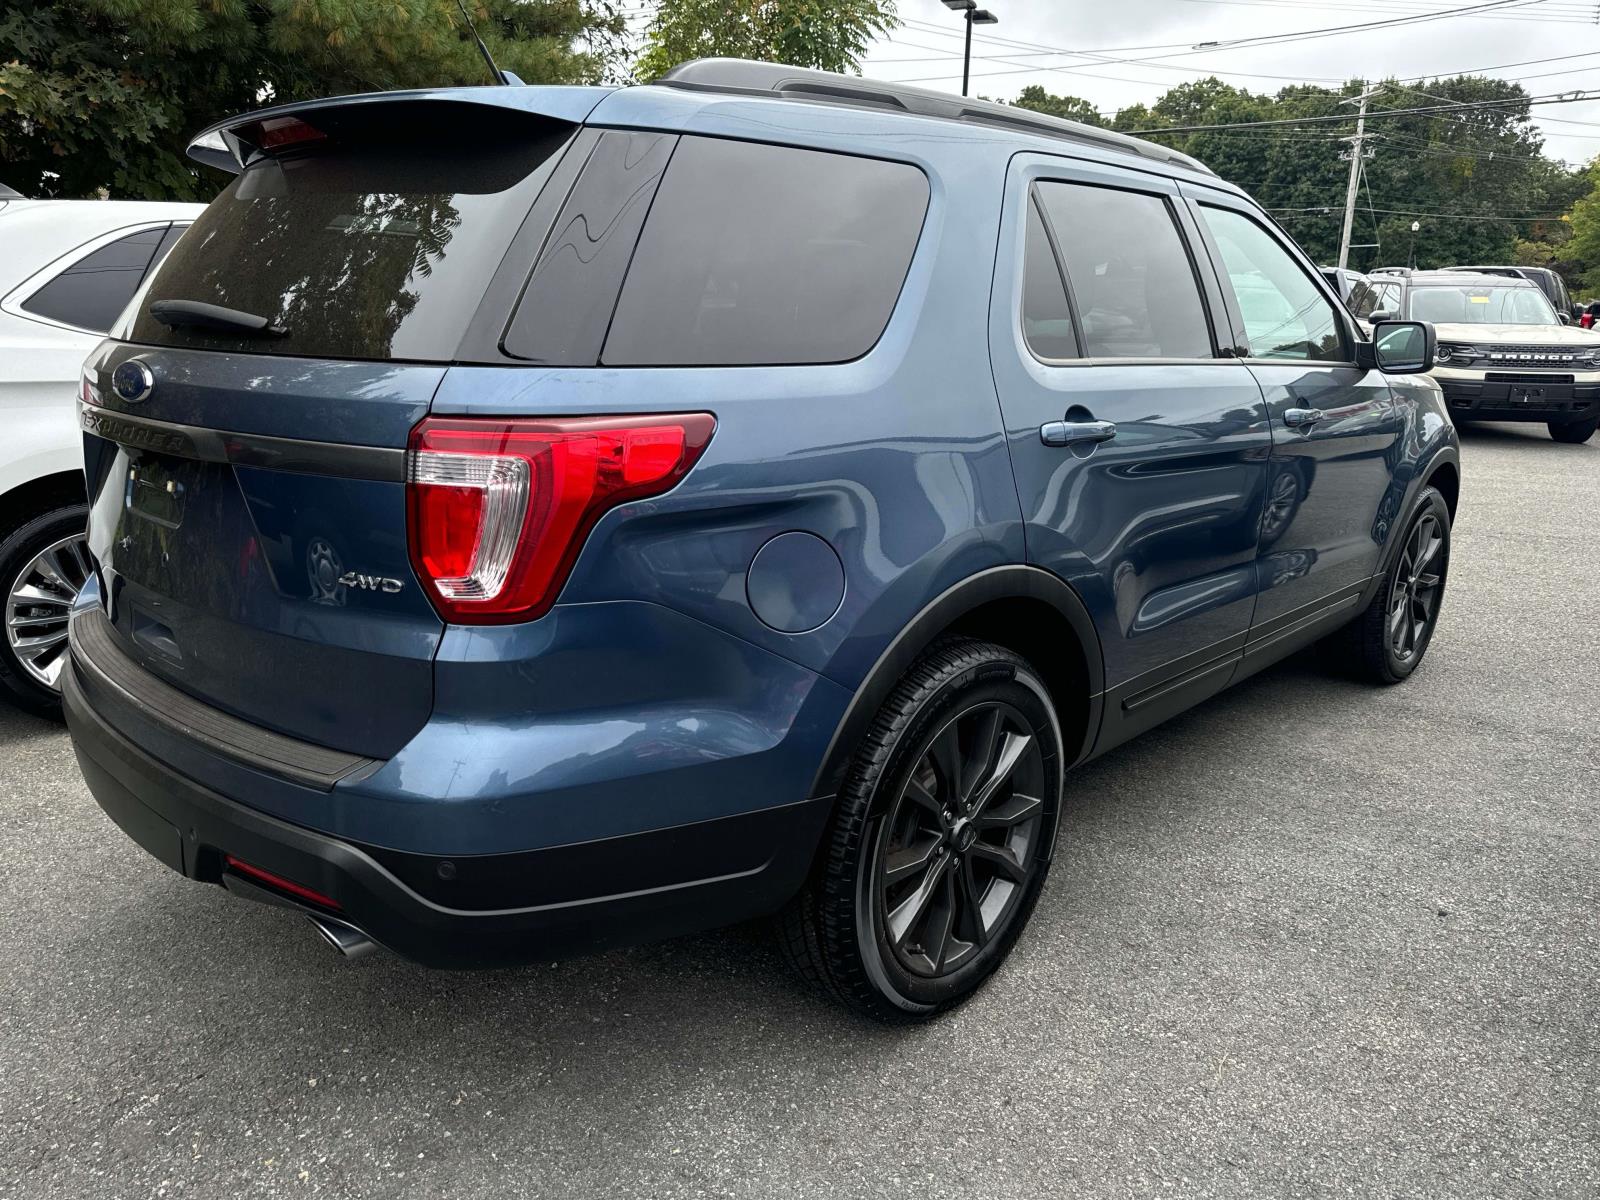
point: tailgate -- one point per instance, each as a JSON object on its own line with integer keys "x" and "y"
{"x": 264, "y": 573}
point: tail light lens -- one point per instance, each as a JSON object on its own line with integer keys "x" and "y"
{"x": 497, "y": 510}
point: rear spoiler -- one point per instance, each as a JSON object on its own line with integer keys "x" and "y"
{"x": 232, "y": 144}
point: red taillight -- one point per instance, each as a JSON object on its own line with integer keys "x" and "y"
{"x": 298, "y": 890}
{"x": 498, "y": 509}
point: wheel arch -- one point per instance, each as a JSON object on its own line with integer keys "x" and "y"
{"x": 39, "y": 495}
{"x": 1025, "y": 609}
{"x": 1445, "y": 475}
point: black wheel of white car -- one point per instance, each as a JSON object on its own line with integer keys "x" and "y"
{"x": 43, "y": 565}
{"x": 1574, "y": 433}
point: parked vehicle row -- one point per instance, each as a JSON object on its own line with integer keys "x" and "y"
{"x": 658, "y": 507}
{"x": 1506, "y": 352}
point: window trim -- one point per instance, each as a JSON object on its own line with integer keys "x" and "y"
{"x": 13, "y": 301}
{"x": 1242, "y": 208}
{"x": 1176, "y": 212}
{"x": 1035, "y": 205}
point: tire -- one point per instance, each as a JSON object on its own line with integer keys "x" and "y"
{"x": 1387, "y": 642}
{"x": 42, "y": 566}
{"x": 1574, "y": 433}
{"x": 954, "y": 796}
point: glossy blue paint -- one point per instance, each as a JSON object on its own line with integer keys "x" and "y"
{"x": 795, "y": 582}
{"x": 672, "y": 684}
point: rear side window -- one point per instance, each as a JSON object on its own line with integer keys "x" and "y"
{"x": 373, "y": 241}
{"x": 1046, "y": 317}
{"x": 1130, "y": 273}
{"x": 94, "y": 290}
{"x": 567, "y": 305}
{"x": 756, "y": 255}
{"x": 1363, "y": 299}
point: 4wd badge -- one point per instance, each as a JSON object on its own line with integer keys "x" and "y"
{"x": 371, "y": 583}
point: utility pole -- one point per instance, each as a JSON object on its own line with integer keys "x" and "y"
{"x": 1355, "y": 155}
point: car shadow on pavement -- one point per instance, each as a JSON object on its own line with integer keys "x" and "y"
{"x": 265, "y": 968}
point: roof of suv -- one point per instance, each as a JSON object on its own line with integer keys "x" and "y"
{"x": 800, "y": 83}
{"x": 1456, "y": 277}
{"x": 228, "y": 144}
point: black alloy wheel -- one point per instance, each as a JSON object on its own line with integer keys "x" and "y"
{"x": 1385, "y": 644}
{"x": 961, "y": 843}
{"x": 1417, "y": 588}
{"x": 941, "y": 839}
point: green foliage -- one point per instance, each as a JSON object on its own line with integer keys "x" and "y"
{"x": 1584, "y": 246}
{"x": 1073, "y": 108}
{"x": 1469, "y": 179}
{"x": 829, "y": 34}
{"x": 102, "y": 95}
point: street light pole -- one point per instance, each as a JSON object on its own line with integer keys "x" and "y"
{"x": 966, "y": 54}
{"x": 973, "y": 15}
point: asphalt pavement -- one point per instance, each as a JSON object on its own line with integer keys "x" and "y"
{"x": 1311, "y": 939}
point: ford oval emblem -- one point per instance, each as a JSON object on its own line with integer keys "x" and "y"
{"x": 132, "y": 381}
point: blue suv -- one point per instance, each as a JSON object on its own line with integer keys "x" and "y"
{"x": 526, "y": 520}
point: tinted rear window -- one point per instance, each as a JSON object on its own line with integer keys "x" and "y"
{"x": 374, "y": 243}
{"x": 757, "y": 254}
{"x": 91, "y": 292}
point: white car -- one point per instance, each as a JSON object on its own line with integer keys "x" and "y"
{"x": 67, "y": 270}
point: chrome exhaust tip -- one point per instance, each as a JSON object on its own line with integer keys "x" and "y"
{"x": 349, "y": 941}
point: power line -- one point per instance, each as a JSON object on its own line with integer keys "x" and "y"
{"x": 1041, "y": 49}
{"x": 1573, "y": 14}
{"x": 1275, "y": 39}
{"x": 1475, "y": 106}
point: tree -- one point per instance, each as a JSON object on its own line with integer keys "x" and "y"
{"x": 1584, "y": 246}
{"x": 103, "y": 95}
{"x": 803, "y": 33}
{"x": 1073, "y": 108}
{"x": 1475, "y": 180}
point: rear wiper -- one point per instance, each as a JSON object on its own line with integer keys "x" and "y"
{"x": 193, "y": 314}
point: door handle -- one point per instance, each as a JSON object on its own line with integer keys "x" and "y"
{"x": 1296, "y": 417}
{"x": 1072, "y": 433}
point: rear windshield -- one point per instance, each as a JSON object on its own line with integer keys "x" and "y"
{"x": 374, "y": 242}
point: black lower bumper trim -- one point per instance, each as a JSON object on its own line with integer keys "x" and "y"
{"x": 191, "y": 829}
{"x": 1497, "y": 400}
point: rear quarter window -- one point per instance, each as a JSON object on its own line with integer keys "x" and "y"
{"x": 763, "y": 255}
{"x": 95, "y": 289}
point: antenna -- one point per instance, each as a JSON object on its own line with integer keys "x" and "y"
{"x": 499, "y": 75}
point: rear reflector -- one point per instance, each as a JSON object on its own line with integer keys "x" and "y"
{"x": 497, "y": 509}
{"x": 277, "y": 882}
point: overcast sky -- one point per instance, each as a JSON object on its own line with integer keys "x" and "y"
{"x": 927, "y": 49}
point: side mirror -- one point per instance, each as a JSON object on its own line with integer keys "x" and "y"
{"x": 1402, "y": 347}
{"x": 1565, "y": 318}
{"x": 1379, "y": 314}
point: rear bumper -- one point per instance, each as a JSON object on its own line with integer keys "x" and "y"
{"x": 1479, "y": 398}
{"x": 563, "y": 900}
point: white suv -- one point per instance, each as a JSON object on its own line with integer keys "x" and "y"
{"x": 67, "y": 269}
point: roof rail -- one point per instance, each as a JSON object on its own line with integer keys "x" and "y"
{"x": 800, "y": 83}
